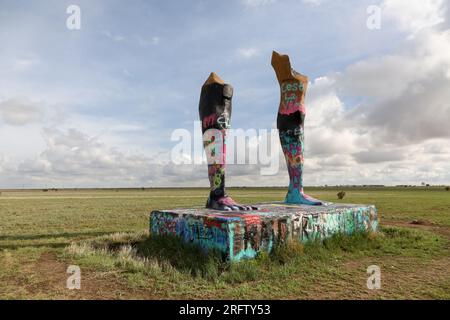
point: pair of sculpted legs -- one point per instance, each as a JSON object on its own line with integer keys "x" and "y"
{"x": 215, "y": 113}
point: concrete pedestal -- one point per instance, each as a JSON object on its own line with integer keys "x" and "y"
{"x": 242, "y": 234}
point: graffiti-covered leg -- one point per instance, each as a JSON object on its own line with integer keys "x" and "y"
{"x": 215, "y": 114}
{"x": 290, "y": 123}
{"x": 292, "y": 145}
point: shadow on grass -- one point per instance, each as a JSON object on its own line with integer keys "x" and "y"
{"x": 54, "y": 245}
{"x": 185, "y": 257}
{"x": 52, "y": 235}
{"x": 13, "y": 242}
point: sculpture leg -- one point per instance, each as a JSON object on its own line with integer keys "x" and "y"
{"x": 293, "y": 147}
{"x": 215, "y": 113}
{"x": 290, "y": 123}
{"x": 215, "y": 148}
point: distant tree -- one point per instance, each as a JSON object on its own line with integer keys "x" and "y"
{"x": 446, "y": 189}
{"x": 341, "y": 195}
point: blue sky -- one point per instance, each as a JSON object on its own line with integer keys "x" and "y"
{"x": 112, "y": 93}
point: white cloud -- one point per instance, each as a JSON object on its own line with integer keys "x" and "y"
{"x": 397, "y": 130}
{"x": 257, "y": 3}
{"x": 415, "y": 15}
{"x": 23, "y": 64}
{"x": 147, "y": 41}
{"x": 313, "y": 3}
{"x": 247, "y": 53}
{"x": 114, "y": 37}
{"x": 74, "y": 158}
{"x": 19, "y": 111}
{"x": 408, "y": 91}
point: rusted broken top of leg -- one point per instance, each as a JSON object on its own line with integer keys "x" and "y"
{"x": 283, "y": 69}
{"x": 213, "y": 78}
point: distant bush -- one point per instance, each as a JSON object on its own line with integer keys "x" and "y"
{"x": 45, "y": 190}
{"x": 341, "y": 195}
{"x": 446, "y": 189}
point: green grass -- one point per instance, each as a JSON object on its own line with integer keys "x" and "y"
{"x": 104, "y": 231}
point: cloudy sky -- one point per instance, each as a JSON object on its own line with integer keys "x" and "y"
{"x": 97, "y": 107}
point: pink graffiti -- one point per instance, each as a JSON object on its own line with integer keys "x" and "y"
{"x": 291, "y": 104}
{"x": 209, "y": 120}
{"x": 227, "y": 201}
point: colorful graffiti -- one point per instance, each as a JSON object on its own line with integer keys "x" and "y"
{"x": 290, "y": 123}
{"x": 215, "y": 113}
{"x": 242, "y": 234}
{"x": 291, "y": 97}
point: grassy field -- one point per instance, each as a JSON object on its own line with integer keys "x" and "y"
{"x": 105, "y": 233}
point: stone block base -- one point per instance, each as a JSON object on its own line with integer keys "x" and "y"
{"x": 242, "y": 234}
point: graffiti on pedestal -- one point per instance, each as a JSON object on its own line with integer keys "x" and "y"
{"x": 242, "y": 235}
